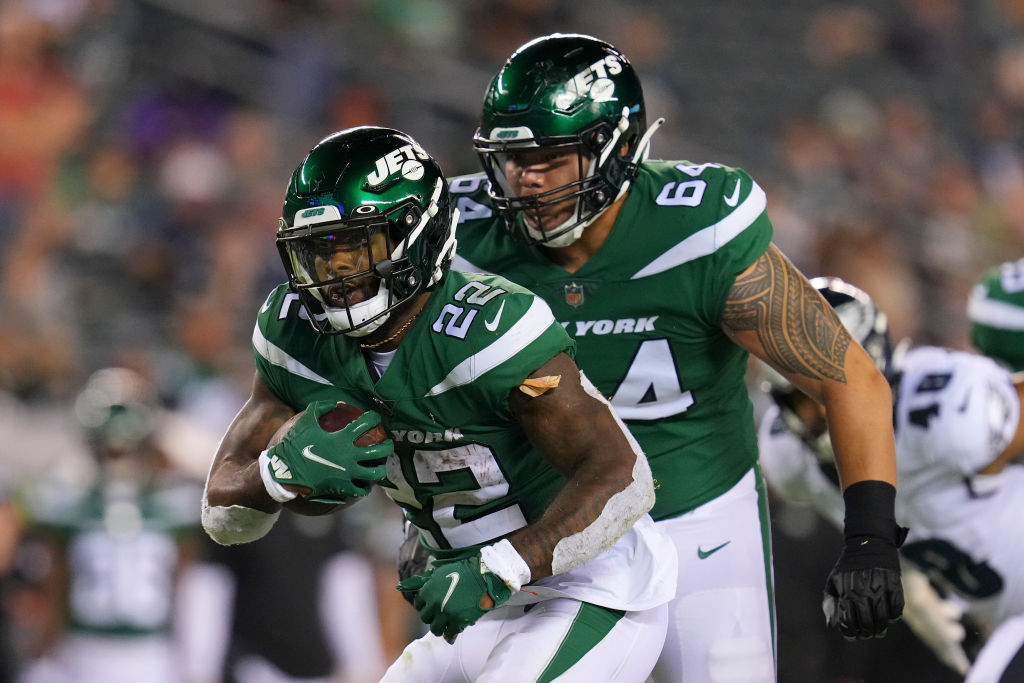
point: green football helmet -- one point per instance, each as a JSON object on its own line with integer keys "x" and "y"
{"x": 367, "y": 225}
{"x": 564, "y": 93}
{"x": 117, "y": 409}
{"x": 995, "y": 308}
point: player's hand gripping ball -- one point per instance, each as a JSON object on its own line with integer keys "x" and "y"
{"x": 328, "y": 453}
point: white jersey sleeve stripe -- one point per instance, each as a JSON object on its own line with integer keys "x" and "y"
{"x": 709, "y": 239}
{"x": 997, "y": 314}
{"x": 529, "y": 327}
{"x": 277, "y": 356}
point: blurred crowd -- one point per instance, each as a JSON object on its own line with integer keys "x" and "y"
{"x": 145, "y": 145}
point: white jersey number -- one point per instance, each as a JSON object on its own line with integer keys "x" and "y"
{"x": 122, "y": 581}
{"x": 468, "y": 476}
{"x": 651, "y": 388}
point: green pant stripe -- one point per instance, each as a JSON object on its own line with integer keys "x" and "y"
{"x": 766, "y": 540}
{"x": 591, "y": 625}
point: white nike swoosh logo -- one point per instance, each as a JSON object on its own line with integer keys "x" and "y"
{"x": 492, "y": 325}
{"x": 731, "y": 201}
{"x": 454, "y": 576}
{"x": 308, "y": 454}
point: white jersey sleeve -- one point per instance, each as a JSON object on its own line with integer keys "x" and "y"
{"x": 793, "y": 471}
{"x": 954, "y": 410}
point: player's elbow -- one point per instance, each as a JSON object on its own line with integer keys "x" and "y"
{"x": 642, "y": 486}
{"x": 231, "y": 525}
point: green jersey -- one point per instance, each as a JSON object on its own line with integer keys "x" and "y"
{"x": 645, "y": 312}
{"x": 463, "y": 469}
{"x": 123, "y": 544}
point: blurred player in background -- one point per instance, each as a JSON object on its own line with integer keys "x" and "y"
{"x": 959, "y": 438}
{"x": 115, "y": 545}
{"x": 995, "y": 309}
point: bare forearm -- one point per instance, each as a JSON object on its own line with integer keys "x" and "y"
{"x": 234, "y": 477}
{"x": 860, "y": 426}
{"x": 236, "y": 505}
{"x": 608, "y": 481}
{"x": 586, "y": 518}
{"x": 239, "y": 483}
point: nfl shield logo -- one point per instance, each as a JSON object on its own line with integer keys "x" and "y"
{"x": 574, "y": 294}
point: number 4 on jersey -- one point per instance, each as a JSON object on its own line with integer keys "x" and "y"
{"x": 651, "y": 388}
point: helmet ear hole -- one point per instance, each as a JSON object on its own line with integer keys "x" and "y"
{"x": 407, "y": 284}
{"x": 410, "y": 217}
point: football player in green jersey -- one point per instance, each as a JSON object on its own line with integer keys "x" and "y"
{"x": 665, "y": 275}
{"x": 529, "y": 492}
{"x": 114, "y": 544}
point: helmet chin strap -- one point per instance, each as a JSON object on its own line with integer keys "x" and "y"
{"x": 341, "y": 316}
{"x": 643, "y": 148}
{"x": 640, "y": 154}
{"x": 446, "y": 252}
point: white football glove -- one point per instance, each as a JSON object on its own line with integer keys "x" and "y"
{"x": 934, "y": 620}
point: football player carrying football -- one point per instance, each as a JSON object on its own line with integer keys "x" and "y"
{"x": 665, "y": 275}
{"x": 959, "y": 437}
{"x": 530, "y": 493}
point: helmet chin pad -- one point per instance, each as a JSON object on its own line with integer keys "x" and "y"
{"x": 338, "y": 318}
{"x": 358, "y": 320}
{"x": 565, "y": 234}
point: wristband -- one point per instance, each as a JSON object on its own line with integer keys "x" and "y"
{"x": 502, "y": 560}
{"x": 870, "y": 511}
{"x": 276, "y": 491}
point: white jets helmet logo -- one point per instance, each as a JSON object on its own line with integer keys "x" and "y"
{"x": 593, "y": 82}
{"x": 406, "y": 160}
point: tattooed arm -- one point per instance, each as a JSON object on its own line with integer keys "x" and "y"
{"x": 776, "y": 314}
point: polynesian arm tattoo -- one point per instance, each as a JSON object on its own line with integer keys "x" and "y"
{"x": 796, "y": 329}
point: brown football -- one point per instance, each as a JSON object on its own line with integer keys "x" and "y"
{"x": 337, "y": 418}
{"x": 341, "y": 415}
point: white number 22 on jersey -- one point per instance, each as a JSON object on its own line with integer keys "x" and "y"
{"x": 490, "y": 483}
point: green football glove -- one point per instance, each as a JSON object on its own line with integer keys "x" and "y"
{"x": 448, "y": 598}
{"x": 329, "y": 464}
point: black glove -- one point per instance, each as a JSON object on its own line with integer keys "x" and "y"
{"x": 413, "y": 558}
{"x": 863, "y": 592}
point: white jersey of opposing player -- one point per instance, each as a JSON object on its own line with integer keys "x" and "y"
{"x": 955, "y": 412}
